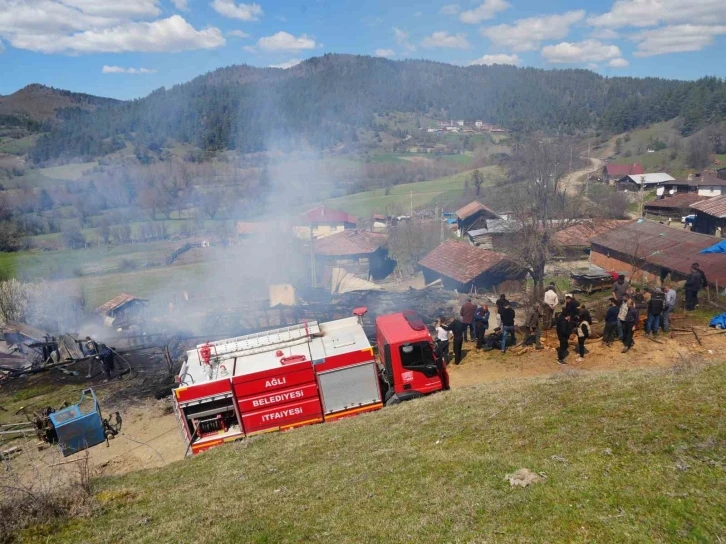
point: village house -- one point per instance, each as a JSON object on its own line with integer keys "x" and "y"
{"x": 473, "y": 216}
{"x": 361, "y": 253}
{"x": 121, "y": 308}
{"x": 495, "y": 236}
{"x": 650, "y": 252}
{"x": 710, "y": 216}
{"x": 573, "y": 242}
{"x": 674, "y": 207}
{"x": 467, "y": 268}
{"x": 323, "y": 221}
{"x": 647, "y": 181}
{"x": 612, "y": 173}
{"x": 704, "y": 184}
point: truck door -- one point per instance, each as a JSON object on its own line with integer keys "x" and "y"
{"x": 417, "y": 370}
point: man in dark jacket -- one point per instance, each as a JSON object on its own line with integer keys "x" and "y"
{"x": 458, "y": 329}
{"x": 467, "y": 317}
{"x": 571, "y": 308}
{"x": 620, "y": 288}
{"x": 694, "y": 282}
{"x": 611, "y": 322}
{"x": 655, "y": 313}
{"x": 507, "y": 315}
{"x": 532, "y": 324}
{"x": 564, "y": 329}
{"x": 631, "y": 321}
{"x": 500, "y": 304}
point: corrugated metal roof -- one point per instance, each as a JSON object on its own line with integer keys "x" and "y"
{"x": 461, "y": 262}
{"x": 473, "y": 208}
{"x": 497, "y": 226}
{"x": 704, "y": 179}
{"x": 579, "y": 234}
{"x": 715, "y": 206}
{"x": 623, "y": 170}
{"x": 664, "y": 246}
{"x": 117, "y": 302}
{"x": 350, "y": 242}
{"x": 676, "y": 202}
{"x": 651, "y": 179}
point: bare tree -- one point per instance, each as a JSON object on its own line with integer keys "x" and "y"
{"x": 477, "y": 179}
{"x": 409, "y": 242}
{"x": 540, "y": 204}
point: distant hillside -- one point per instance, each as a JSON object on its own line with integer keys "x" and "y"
{"x": 325, "y": 100}
{"x": 40, "y": 103}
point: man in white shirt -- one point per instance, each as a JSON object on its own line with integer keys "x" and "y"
{"x": 551, "y": 300}
{"x": 670, "y": 304}
{"x": 622, "y": 314}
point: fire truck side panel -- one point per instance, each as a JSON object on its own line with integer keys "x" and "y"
{"x": 273, "y": 379}
{"x": 289, "y": 415}
{"x": 278, "y": 397}
{"x": 202, "y": 390}
{"x": 349, "y": 387}
{"x": 344, "y": 360}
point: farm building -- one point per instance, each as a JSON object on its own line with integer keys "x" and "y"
{"x": 703, "y": 184}
{"x": 612, "y": 173}
{"x": 323, "y": 222}
{"x": 121, "y": 308}
{"x": 495, "y": 236}
{"x": 573, "y": 242}
{"x": 473, "y": 216}
{"x": 650, "y": 252}
{"x": 465, "y": 267}
{"x": 362, "y": 253}
{"x": 710, "y": 216}
{"x": 647, "y": 181}
{"x": 675, "y": 207}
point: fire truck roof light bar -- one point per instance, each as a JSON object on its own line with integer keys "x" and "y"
{"x": 266, "y": 340}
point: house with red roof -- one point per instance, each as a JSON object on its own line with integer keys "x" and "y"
{"x": 323, "y": 221}
{"x": 473, "y": 216}
{"x": 360, "y": 252}
{"x": 465, "y": 267}
{"x": 612, "y": 173}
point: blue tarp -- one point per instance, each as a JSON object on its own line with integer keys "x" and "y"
{"x": 716, "y": 248}
{"x": 719, "y": 321}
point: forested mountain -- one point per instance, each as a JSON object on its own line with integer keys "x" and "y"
{"x": 323, "y": 100}
{"x": 40, "y": 103}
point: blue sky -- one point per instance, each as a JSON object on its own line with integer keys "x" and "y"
{"x": 126, "y": 49}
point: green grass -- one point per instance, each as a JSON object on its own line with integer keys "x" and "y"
{"x": 399, "y": 198}
{"x": 18, "y": 146}
{"x": 69, "y": 172}
{"x": 628, "y": 457}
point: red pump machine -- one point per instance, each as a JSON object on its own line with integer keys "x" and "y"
{"x": 303, "y": 374}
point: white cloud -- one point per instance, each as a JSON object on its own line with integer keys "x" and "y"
{"x": 580, "y": 52}
{"x": 283, "y": 41}
{"x": 643, "y": 13}
{"x": 244, "y": 12}
{"x": 527, "y": 34}
{"x": 676, "y": 39}
{"x": 488, "y": 60}
{"x": 91, "y": 26}
{"x": 165, "y": 35}
{"x": 285, "y": 65}
{"x": 487, "y": 10}
{"x": 444, "y": 39}
{"x": 619, "y": 63}
{"x": 238, "y": 34}
{"x": 450, "y": 9}
{"x": 120, "y": 70}
{"x": 385, "y": 52}
{"x": 402, "y": 39}
{"x": 181, "y": 5}
{"x": 250, "y": 48}
{"x": 604, "y": 34}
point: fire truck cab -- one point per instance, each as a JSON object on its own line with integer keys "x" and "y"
{"x": 409, "y": 365}
{"x": 300, "y": 375}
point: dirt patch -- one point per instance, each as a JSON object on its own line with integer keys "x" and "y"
{"x": 492, "y": 366}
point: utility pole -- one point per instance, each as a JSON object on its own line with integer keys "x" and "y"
{"x": 642, "y": 185}
{"x": 411, "y": 211}
{"x": 313, "y": 281}
{"x": 440, "y": 217}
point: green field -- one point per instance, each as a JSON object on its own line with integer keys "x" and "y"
{"x": 627, "y": 457}
{"x": 18, "y": 146}
{"x": 69, "y": 172}
{"x": 398, "y": 200}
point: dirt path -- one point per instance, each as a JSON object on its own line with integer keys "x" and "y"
{"x": 483, "y": 367}
{"x": 574, "y": 180}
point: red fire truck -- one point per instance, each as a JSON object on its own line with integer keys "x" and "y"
{"x": 300, "y": 375}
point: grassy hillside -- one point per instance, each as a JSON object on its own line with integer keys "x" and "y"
{"x": 398, "y": 199}
{"x": 628, "y": 457}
